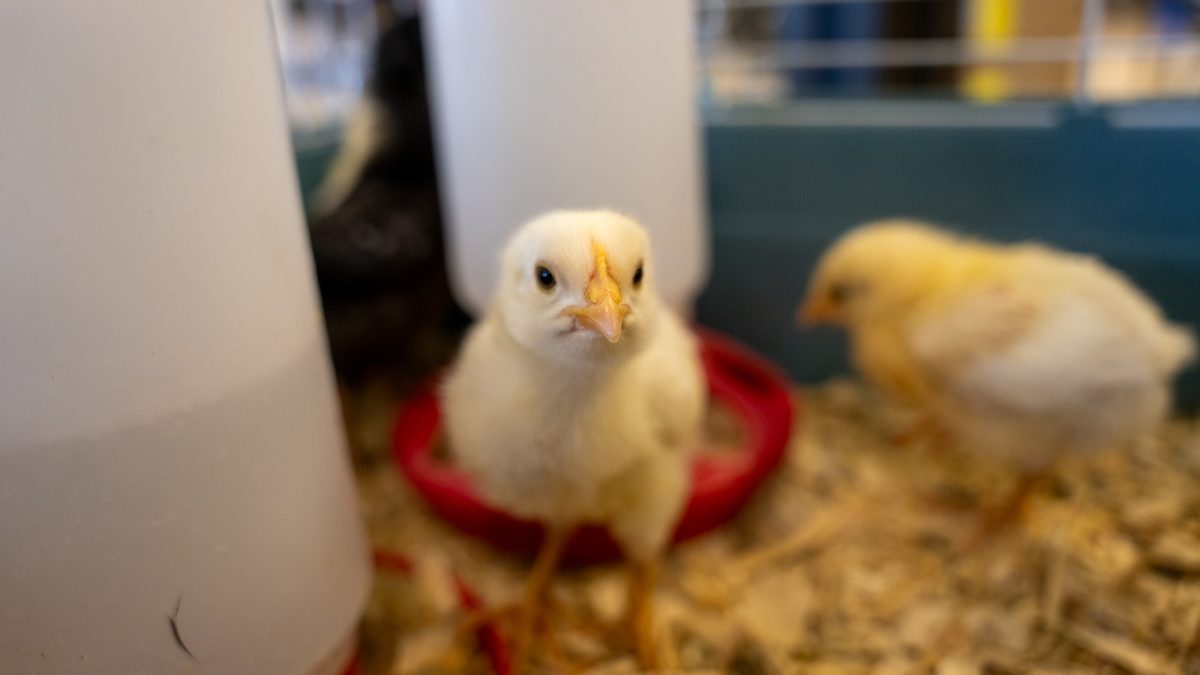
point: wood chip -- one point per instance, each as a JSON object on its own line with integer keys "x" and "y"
{"x": 959, "y": 665}
{"x": 1177, "y": 551}
{"x": 924, "y": 624}
{"x": 764, "y": 614}
{"x": 1154, "y": 513}
{"x": 624, "y": 665}
{"x": 1119, "y": 651}
{"x": 432, "y": 650}
{"x": 1054, "y": 591}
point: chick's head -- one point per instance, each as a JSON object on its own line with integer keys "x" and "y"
{"x": 878, "y": 270}
{"x": 577, "y": 287}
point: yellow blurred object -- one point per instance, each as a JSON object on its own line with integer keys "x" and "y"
{"x": 987, "y": 84}
{"x": 993, "y": 22}
{"x": 991, "y": 28}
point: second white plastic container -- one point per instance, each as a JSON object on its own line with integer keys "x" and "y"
{"x": 545, "y": 104}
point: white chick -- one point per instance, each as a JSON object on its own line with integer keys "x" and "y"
{"x": 575, "y": 398}
{"x": 1020, "y": 352}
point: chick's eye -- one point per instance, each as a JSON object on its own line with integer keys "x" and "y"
{"x": 545, "y": 278}
{"x": 839, "y": 293}
{"x": 637, "y": 276}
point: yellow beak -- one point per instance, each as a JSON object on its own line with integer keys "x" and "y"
{"x": 603, "y": 312}
{"x": 815, "y": 311}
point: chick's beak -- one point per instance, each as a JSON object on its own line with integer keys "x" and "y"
{"x": 815, "y": 310}
{"x": 605, "y": 317}
{"x": 603, "y": 312}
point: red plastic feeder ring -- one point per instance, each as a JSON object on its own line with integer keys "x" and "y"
{"x": 750, "y": 387}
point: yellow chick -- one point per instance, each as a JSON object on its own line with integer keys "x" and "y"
{"x": 575, "y": 398}
{"x": 1019, "y": 351}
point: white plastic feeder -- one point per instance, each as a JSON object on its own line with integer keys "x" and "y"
{"x": 545, "y": 104}
{"x": 174, "y": 490}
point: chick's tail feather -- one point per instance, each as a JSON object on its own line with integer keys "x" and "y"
{"x": 1178, "y": 349}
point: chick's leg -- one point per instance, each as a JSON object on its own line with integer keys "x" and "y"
{"x": 640, "y": 611}
{"x": 536, "y": 586}
{"x": 1009, "y": 512}
{"x": 652, "y": 498}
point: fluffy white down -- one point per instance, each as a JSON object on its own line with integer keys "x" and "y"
{"x": 1091, "y": 372}
{"x": 556, "y": 424}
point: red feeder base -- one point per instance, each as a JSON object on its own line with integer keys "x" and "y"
{"x": 753, "y": 390}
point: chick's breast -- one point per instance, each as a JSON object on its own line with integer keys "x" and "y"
{"x": 643, "y": 503}
{"x": 543, "y": 445}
